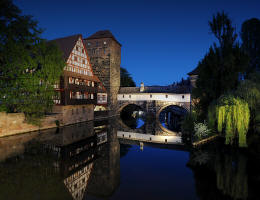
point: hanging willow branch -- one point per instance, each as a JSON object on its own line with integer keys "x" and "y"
{"x": 231, "y": 115}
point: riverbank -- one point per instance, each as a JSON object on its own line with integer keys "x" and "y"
{"x": 15, "y": 123}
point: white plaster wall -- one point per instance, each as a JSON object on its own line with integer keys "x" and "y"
{"x": 155, "y": 96}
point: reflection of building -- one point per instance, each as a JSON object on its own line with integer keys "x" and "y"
{"x": 74, "y": 160}
{"x": 105, "y": 176}
{"x": 61, "y": 164}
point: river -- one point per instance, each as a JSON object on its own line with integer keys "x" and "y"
{"x": 89, "y": 161}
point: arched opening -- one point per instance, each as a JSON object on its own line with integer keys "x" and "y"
{"x": 171, "y": 116}
{"x": 133, "y": 116}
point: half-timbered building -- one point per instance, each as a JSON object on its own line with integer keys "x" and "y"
{"x": 78, "y": 87}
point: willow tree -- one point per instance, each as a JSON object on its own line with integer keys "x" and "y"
{"x": 231, "y": 115}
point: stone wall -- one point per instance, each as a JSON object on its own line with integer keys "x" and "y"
{"x": 72, "y": 114}
{"x": 14, "y": 123}
{"x": 105, "y": 59}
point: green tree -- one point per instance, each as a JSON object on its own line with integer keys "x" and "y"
{"x": 231, "y": 115}
{"x": 219, "y": 70}
{"x": 249, "y": 92}
{"x": 29, "y": 67}
{"x": 126, "y": 80}
{"x": 250, "y": 35}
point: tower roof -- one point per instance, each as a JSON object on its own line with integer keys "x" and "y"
{"x": 102, "y": 34}
{"x": 194, "y": 72}
{"x": 66, "y": 44}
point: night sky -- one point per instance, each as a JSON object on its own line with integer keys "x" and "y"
{"x": 161, "y": 40}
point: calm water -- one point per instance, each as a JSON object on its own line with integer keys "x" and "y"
{"x": 88, "y": 161}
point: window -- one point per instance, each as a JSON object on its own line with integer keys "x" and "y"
{"x": 183, "y": 96}
{"x": 83, "y": 61}
{"x": 129, "y": 96}
{"x": 105, "y": 42}
{"x": 82, "y": 50}
{"x": 166, "y": 95}
{"x": 151, "y": 96}
{"x": 77, "y": 48}
{"x": 89, "y": 43}
{"x": 92, "y": 96}
{"x": 93, "y": 83}
{"x": 123, "y": 96}
{"x": 75, "y": 58}
{"x": 97, "y": 43}
{"x": 71, "y": 80}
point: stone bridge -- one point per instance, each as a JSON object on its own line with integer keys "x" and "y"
{"x": 154, "y": 99}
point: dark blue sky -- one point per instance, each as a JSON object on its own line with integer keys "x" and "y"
{"x": 161, "y": 40}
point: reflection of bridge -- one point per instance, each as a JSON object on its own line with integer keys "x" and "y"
{"x": 161, "y": 139}
{"x": 152, "y": 132}
{"x": 154, "y": 99}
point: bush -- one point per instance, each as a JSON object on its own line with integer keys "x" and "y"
{"x": 187, "y": 125}
{"x": 201, "y": 130}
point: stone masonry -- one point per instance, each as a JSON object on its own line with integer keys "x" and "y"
{"x": 105, "y": 57}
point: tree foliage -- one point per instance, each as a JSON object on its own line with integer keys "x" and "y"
{"x": 29, "y": 67}
{"x": 125, "y": 78}
{"x": 250, "y": 35}
{"x": 220, "y": 68}
{"x": 248, "y": 90}
{"x": 231, "y": 115}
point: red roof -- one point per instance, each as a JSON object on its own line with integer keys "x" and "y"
{"x": 102, "y": 34}
{"x": 66, "y": 44}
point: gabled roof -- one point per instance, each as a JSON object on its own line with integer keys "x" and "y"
{"x": 194, "y": 72}
{"x": 102, "y": 34}
{"x": 66, "y": 44}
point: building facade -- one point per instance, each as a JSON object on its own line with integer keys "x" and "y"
{"x": 105, "y": 58}
{"x": 79, "y": 89}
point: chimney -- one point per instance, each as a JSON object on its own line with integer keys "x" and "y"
{"x": 142, "y": 87}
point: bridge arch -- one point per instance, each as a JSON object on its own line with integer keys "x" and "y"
{"x": 162, "y": 107}
{"x": 136, "y": 103}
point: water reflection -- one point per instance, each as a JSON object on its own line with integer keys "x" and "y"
{"x": 225, "y": 174}
{"x": 74, "y": 162}
{"x": 171, "y": 116}
{"x": 83, "y": 161}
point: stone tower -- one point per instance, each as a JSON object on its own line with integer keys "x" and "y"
{"x": 105, "y": 57}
